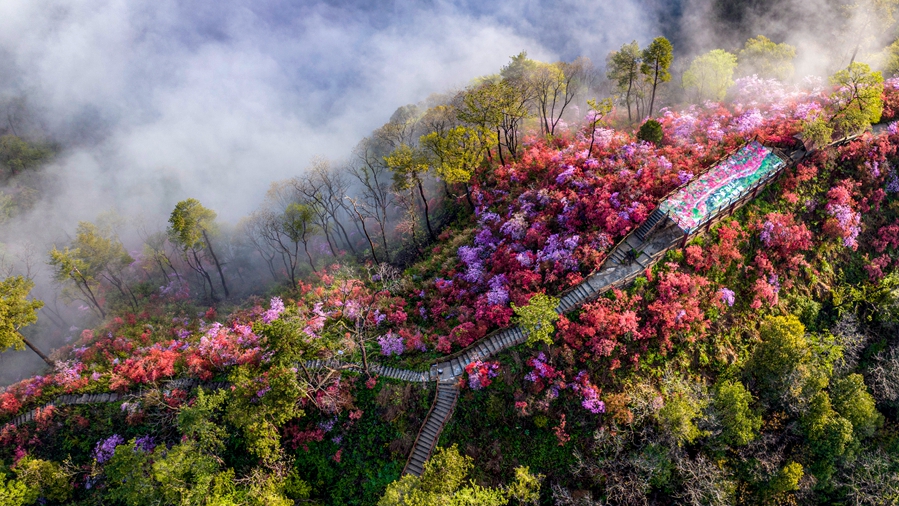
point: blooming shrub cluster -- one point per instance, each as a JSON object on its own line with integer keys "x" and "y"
{"x": 106, "y": 448}
{"x": 844, "y": 221}
{"x": 551, "y": 216}
{"x": 481, "y": 374}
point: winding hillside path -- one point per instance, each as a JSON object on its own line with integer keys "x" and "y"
{"x": 191, "y": 383}
{"x": 631, "y": 257}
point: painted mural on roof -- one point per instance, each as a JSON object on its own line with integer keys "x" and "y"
{"x": 702, "y": 199}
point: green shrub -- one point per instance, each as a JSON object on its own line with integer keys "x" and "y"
{"x": 651, "y": 131}
{"x": 677, "y": 416}
{"x": 732, "y": 402}
{"x": 853, "y": 402}
{"x": 537, "y": 317}
{"x": 43, "y": 479}
{"x": 786, "y": 479}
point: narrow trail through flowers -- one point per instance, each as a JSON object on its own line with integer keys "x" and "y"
{"x": 717, "y": 193}
{"x": 664, "y": 229}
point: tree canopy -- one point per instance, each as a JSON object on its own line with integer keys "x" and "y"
{"x": 17, "y": 312}
{"x": 766, "y": 58}
{"x": 710, "y": 75}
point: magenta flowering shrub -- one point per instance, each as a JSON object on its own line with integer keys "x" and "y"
{"x": 589, "y": 393}
{"x": 275, "y": 309}
{"x": 481, "y": 374}
{"x": 727, "y": 296}
{"x": 543, "y": 373}
{"x": 844, "y": 221}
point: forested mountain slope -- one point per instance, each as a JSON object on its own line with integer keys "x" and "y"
{"x": 758, "y": 364}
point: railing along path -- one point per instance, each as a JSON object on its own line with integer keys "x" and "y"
{"x": 642, "y": 248}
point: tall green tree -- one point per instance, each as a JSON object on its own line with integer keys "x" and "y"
{"x": 710, "y": 75}
{"x": 18, "y": 155}
{"x": 732, "y": 402}
{"x": 70, "y": 267}
{"x": 500, "y": 106}
{"x": 858, "y": 100}
{"x": 455, "y": 154}
{"x": 189, "y": 226}
{"x": 555, "y": 86}
{"x": 104, "y": 256}
{"x": 17, "y": 312}
{"x": 624, "y": 70}
{"x": 657, "y": 59}
{"x": 409, "y": 166}
{"x": 765, "y": 58}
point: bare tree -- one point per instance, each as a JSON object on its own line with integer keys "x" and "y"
{"x": 324, "y": 188}
{"x": 871, "y": 479}
{"x": 704, "y": 483}
{"x": 361, "y": 215}
{"x": 253, "y": 228}
{"x": 375, "y": 179}
{"x": 556, "y": 85}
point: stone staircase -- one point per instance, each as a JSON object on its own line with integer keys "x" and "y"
{"x": 191, "y": 383}
{"x": 440, "y": 413}
{"x": 649, "y": 225}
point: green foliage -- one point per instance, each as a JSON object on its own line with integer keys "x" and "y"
{"x": 18, "y": 155}
{"x": 296, "y": 221}
{"x": 537, "y": 318}
{"x": 623, "y": 69}
{"x": 526, "y": 487}
{"x": 816, "y": 132}
{"x": 732, "y": 402}
{"x": 13, "y": 492}
{"x": 43, "y": 479}
{"x": 655, "y": 459}
{"x": 858, "y": 101}
{"x": 456, "y": 153}
{"x": 710, "y": 75}
{"x": 190, "y": 225}
{"x": 786, "y": 479}
{"x": 186, "y": 475}
{"x": 784, "y": 365}
{"x": 651, "y": 131}
{"x": 407, "y": 164}
{"x": 677, "y": 416}
{"x": 259, "y": 416}
{"x": 657, "y": 58}
{"x": 443, "y": 482}
{"x": 129, "y": 476}
{"x": 198, "y": 421}
{"x": 853, "y": 402}
{"x": 766, "y": 58}
{"x": 16, "y": 311}
{"x": 187, "y": 223}
{"x": 829, "y": 435}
